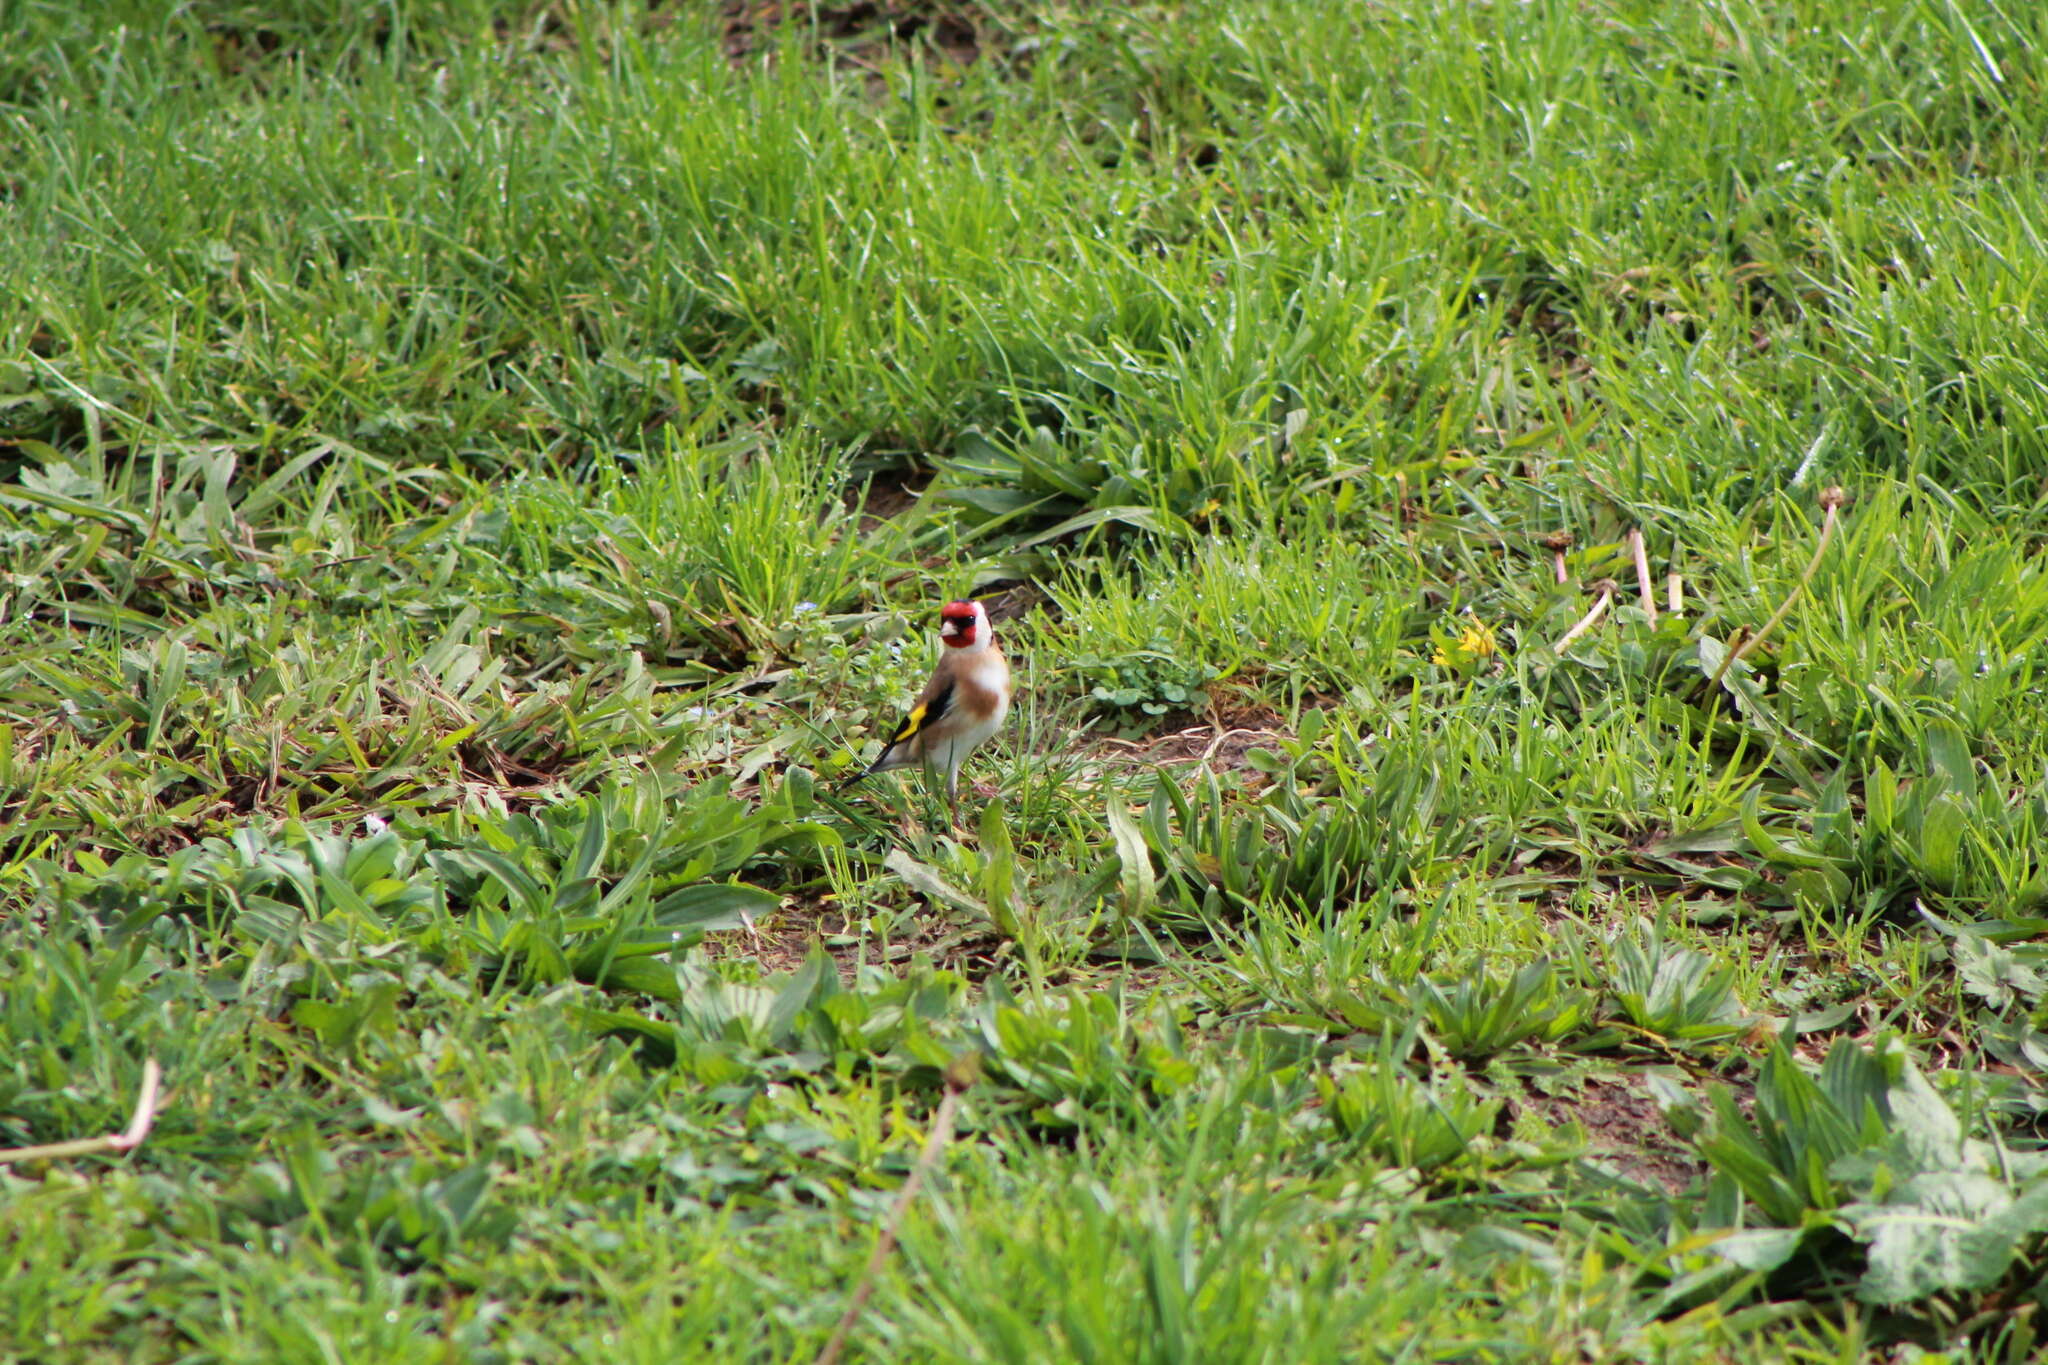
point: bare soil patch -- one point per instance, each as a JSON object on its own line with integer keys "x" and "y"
{"x": 854, "y": 32}
{"x": 782, "y": 942}
{"x": 886, "y": 496}
{"x": 1223, "y": 741}
{"x": 1623, "y": 1129}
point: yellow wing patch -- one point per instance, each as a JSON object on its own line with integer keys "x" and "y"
{"x": 912, "y": 723}
{"x": 926, "y": 713}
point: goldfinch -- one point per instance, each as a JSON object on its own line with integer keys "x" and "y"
{"x": 962, "y": 705}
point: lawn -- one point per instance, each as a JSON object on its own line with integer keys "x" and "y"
{"x": 1518, "y": 527}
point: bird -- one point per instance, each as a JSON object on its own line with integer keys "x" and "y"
{"x": 959, "y": 709}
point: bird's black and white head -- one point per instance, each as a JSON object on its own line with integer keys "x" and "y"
{"x": 964, "y": 626}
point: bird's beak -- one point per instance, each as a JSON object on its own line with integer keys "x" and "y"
{"x": 947, "y": 629}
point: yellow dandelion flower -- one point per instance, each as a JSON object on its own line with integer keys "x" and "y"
{"x": 1474, "y": 643}
{"x": 1475, "y": 640}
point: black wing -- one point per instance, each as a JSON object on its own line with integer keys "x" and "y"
{"x": 930, "y": 709}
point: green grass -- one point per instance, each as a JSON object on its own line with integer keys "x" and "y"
{"x": 473, "y": 476}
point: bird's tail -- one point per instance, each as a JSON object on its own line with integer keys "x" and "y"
{"x": 869, "y": 771}
{"x": 892, "y": 756}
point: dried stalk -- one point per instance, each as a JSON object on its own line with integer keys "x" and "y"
{"x": 958, "y": 1077}
{"x": 1831, "y": 500}
{"x": 1644, "y": 586}
{"x": 1557, "y": 542}
{"x": 1606, "y": 588}
{"x": 126, "y": 1140}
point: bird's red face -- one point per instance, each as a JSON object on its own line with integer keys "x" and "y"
{"x": 959, "y": 624}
